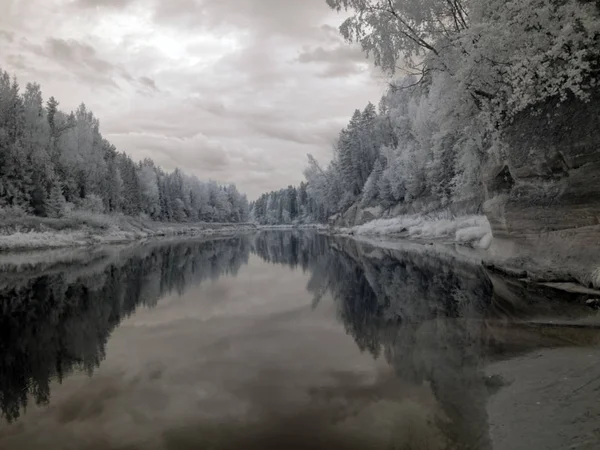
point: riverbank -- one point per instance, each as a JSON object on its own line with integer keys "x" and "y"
{"x": 78, "y": 230}
{"x": 468, "y": 236}
{"x": 473, "y": 231}
{"x": 468, "y": 230}
{"x": 566, "y": 257}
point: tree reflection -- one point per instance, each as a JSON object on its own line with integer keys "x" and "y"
{"x": 425, "y": 313}
{"x": 53, "y": 324}
{"x": 433, "y": 317}
{"x": 436, "y": 318}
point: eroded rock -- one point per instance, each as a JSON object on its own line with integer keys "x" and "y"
{"x": 544, "y": 198}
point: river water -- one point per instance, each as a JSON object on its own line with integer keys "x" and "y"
{"x": 290, "y": 340}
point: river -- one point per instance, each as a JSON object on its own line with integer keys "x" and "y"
{"x": 290, "y": 340}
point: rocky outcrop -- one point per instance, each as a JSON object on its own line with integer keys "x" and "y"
{"x": 543, "y": 198}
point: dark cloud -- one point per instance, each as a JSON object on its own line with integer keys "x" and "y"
{"x": 71, "y": 53}
{"x": 148, "y": 83}
{"x": 195, "y": 152}
{"x": 17, "y": 62}
{"x": 301, "y": 133}
{"x": 340, "y": 53}
{"x": 7, "y": 35}
{"x": 81, "y": 60}
{"x": 341, "y": 70}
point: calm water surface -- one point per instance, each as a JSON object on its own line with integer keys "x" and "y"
{"x": 289, "y": 340}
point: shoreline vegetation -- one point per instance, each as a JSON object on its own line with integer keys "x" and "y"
{"x": 79, "y": 229}
{"x": 52, "y": 241}
{"x": 86, "y": 230}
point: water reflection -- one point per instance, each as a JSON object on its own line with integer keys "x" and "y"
{"x": 53, "y": 324}
{"x": 421, "y": 312}
{"x": 435, "y": 319}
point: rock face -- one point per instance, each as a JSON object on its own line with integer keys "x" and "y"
{"x": 545, "y": 195}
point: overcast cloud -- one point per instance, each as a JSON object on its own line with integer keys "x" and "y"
{"x": 233, "y": 90}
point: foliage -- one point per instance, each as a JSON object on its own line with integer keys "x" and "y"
{"x": 509, "y": 54}
{"x": 286, "y": 206}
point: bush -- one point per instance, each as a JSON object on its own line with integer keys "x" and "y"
{"x": 92, "y": 203}
{"x": 12, "y": 212}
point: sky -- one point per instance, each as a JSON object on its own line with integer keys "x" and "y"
{"x": 231, "y": 90}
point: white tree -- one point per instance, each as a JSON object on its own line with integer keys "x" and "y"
{"x": 407, "y": 30}
{"x": 149, "y": 189}
{"x": 56, "y": 201}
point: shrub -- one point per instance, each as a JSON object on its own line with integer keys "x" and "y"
{"x": 92, "y": 203}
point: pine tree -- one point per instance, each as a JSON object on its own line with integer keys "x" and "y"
{"x": 372, "y": 185}
{"x": 51, "y": 110}
{"x": 56, "y": 201}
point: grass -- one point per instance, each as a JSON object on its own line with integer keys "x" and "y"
{"x": 78, "y": 228}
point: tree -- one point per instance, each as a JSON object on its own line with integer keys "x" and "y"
{"x": 56, "y": 201}
{"x": 14, "y": 177}
{"x": 52, "y": 109}
{"x": 92, "y": 203}
{"x": 149, "y": 189}
{"x": 131, "y": 195}
{"x": 371, "y": 189}
{"x": 292, "y": 202}
{"x": 114, "y": 184}
{"x": 407, "y": 30}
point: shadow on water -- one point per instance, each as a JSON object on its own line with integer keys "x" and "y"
{"x": 435, "y": 319}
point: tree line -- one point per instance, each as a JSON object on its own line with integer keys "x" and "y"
{"x": 287, "y": 206}
{"x": 52, "y": 163}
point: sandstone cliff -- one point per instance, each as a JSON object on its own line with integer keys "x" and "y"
{"x": 543, "y": 198}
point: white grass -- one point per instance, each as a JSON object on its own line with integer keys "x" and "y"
{"x": 84, "y": 229}
{"x": 470, "y": 230}
{"x": 44, "y": 239}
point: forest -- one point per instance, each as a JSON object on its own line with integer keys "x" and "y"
{"x": 461, "y": 72}
{"x": 54, "y": 164}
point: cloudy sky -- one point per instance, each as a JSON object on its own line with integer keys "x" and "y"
{"x": 233, "y": 90}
